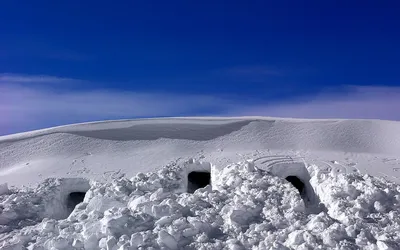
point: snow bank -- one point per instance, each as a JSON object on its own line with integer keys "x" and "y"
{"x": 245, "y": 208}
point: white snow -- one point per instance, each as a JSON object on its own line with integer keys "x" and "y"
{"x": 341, "y": 189}
{"x": 245, "y": 208}
{"x": 104, "y": 150}
{"x": 4, "y": 188}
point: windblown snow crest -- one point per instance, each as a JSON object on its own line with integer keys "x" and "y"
{"x": 242, "y": 208}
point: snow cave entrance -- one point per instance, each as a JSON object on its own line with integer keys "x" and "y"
{"x": 296, "y": 173}
{"x": 74, "y": 199}
{"x": 65, "y": 195}
{"x": 298, "y": 184}
{"x": 198, "y": 179}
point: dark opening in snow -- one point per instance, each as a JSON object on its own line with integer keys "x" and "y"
{"x": 74, "y": 199}
{"x": 297, "y": 183}
{"x": 198, "y": 180}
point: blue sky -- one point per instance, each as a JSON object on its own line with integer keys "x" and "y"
{"x": 73, "y": 61}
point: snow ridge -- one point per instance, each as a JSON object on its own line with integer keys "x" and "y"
{"x": 244, "y": 208}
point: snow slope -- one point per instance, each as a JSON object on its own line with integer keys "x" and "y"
{"x": 104, "y": 149}
{"x": 272, "y": 184}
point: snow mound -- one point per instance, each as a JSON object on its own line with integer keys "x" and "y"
{"x": 97, "y": 150}
{"x": 244, "y": 207}
{"x": 369, "y": 136}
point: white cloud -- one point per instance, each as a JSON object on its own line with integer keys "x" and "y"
{"x": 26, "y": 106}
{"x": 355, "y": 102}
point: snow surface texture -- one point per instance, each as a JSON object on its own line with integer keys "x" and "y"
{"x": 300, "y": 184}
{"x": 243, "y": 208}
{"x": 103, "y": 150}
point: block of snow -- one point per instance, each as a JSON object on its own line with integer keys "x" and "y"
{"x": 4, "y": 189}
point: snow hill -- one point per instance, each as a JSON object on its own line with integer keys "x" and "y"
{"x": 99, "y": 150}
{"x": 202, "y": 183}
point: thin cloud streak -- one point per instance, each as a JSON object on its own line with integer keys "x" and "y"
{"x": 250, "y": 74}
{"x": 258, "y": 70}
{"x": 356, "y": 102}
{"x": 21, "y": 79}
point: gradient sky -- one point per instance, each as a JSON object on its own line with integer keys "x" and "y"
{"x": 73, "y": 61}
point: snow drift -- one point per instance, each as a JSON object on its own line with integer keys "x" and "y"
{"x": 98, "y": 150}
{"x": 372, "y": 136}
{"x": 244, "y": 208}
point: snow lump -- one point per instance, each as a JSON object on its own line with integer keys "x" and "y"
{"x": 245, "y": 208}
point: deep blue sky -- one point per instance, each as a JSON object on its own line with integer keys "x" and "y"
{"x": 253, "y": 52}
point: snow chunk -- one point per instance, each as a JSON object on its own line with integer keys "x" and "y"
{"x": 4, "y": 189}
{"x": 165, "y": 239}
